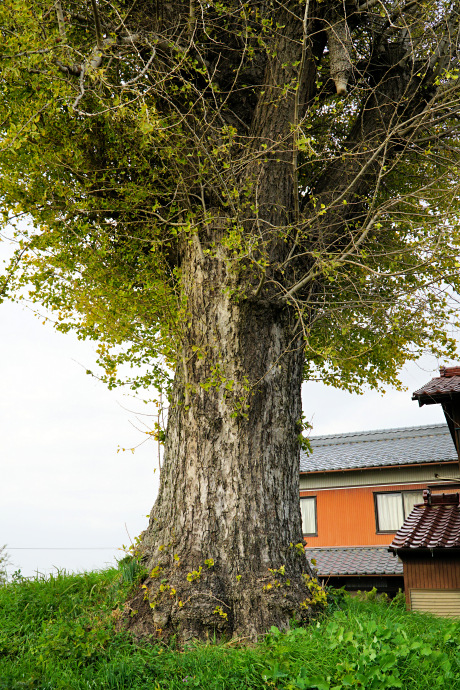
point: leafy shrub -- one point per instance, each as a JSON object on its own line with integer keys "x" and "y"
{"x": 336, "y": 597}
{"x": 373, "y": 595}
{"x": 399, "y": 601}
{"x": 371, "y": 646}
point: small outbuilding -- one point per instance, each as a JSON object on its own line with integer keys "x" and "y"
{"x": 428, "y": 545}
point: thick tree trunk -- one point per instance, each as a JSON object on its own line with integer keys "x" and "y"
{"x": 224, "y": 546}
{"x": 227, "y": 515}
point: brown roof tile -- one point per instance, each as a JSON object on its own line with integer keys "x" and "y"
{"x": 449, "y": 371}
{"x": 445, "y": 384}
{"x": 431, "y": 525}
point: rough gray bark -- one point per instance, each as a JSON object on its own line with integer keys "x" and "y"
{"x": 229, "y": 485}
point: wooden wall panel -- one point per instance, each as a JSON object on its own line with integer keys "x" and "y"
{"x": 346, "y": 517}
{"x": 432, "y": 573}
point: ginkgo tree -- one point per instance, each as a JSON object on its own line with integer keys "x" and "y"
{"x": 246, "y": 194}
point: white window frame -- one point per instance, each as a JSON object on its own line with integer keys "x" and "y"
{"x": 313, "y": 500}
{"x": 401, "y": 495}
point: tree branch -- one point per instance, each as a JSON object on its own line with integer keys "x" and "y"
{"x": 61, "y": 21}
{"x": 295, "y": 149}
{"x": 97, "y": 24}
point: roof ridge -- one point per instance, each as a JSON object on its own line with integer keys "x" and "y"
{"x": 349, "y": 548}
{"x": 429, "y": 443}
{"x": 349, "y": 434}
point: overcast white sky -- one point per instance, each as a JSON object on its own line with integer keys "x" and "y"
{"x": 65, "y": 493}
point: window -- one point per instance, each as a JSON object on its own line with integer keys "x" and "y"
{"x": 392, "y": 508}
{"x": 308, "y": 511}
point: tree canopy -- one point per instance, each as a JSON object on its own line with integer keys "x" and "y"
{"x": 127, "y": 128}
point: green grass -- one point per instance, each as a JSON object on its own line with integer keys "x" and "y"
{"x": 60, "y": 633}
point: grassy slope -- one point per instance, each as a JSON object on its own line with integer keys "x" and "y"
{"x": 60, "y": 633}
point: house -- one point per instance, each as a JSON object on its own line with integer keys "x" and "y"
{"x": 356, "y": 490}
{"x": 428, "y": 543}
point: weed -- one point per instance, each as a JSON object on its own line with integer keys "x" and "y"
{"x": 131, "y": 569}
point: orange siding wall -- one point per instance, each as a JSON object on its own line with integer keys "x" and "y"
{"x": 431, "y": 573}
{"x": 346, "y": 517}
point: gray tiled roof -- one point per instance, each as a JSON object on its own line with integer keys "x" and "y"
{"x": 407, "y": 446}
{"x": 372, "y": 560}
